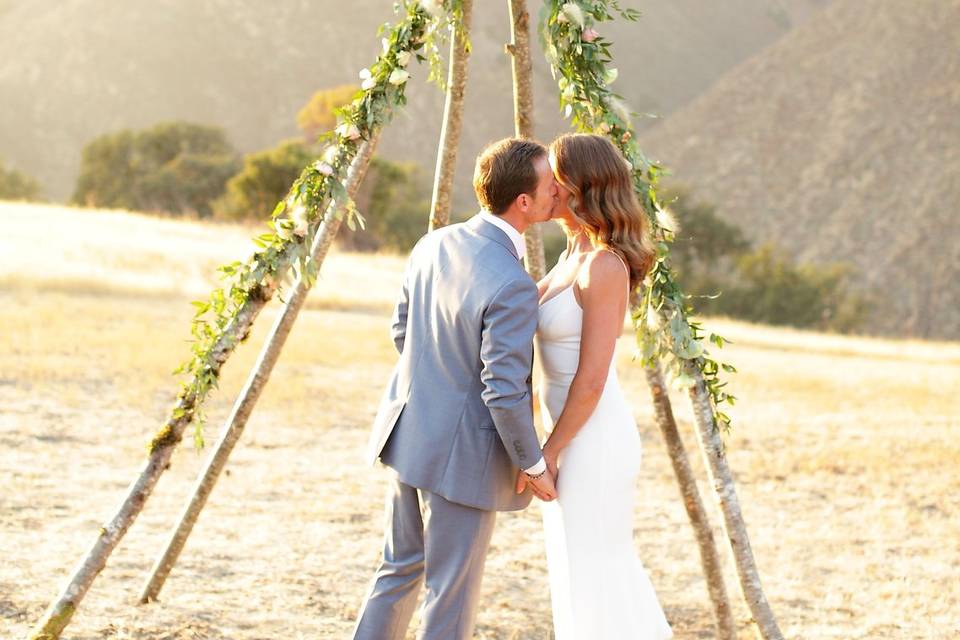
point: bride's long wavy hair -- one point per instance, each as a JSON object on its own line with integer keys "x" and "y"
{"x": 603, "y": 199}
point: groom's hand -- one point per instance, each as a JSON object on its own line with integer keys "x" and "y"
{"x": 543, "y": 487}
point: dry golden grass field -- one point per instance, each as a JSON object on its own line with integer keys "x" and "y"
{"x": 846, "y": 452}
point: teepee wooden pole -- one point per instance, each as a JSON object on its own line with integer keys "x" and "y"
{"x": 256, "y": 382}
{"x": 519, "y": 50}
{"x": 711, "y": 446}
{"x": 452, "y": 121}
{"x": 726, "y": 627}
{"x": 58, "y": 615}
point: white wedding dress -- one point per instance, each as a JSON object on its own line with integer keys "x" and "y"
{"x": 599, "y": 589}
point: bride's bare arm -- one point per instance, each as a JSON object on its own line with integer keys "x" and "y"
{"x": 603, "y": 295}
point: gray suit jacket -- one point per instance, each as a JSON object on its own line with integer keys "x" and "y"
{"x": 457, "y": 416}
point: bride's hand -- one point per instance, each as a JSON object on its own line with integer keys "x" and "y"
{"x": 550, "y": 457}
{"x": 543, "y": 487}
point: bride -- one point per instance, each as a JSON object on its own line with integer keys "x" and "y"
{"x": 599, "y": 588}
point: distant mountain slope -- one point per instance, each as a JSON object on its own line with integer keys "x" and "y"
{"x": 842, "y": 142}
{"x": 73, "y": 69}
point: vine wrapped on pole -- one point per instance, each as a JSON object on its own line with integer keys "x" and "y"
{"x": 256, "y": 382}
{"x": 226, "y": 318}
{"x": 578, "y": 55}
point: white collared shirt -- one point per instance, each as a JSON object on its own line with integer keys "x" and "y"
{"x": 515, "y": 236}
{"x": 521, "y": 246}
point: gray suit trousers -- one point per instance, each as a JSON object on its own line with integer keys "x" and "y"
{"x": 427, "y": 538}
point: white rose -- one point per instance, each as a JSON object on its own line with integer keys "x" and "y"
{"x": 398, "y": 77}
{"x": 403, "y": 58}
{"x": 574, "y": 14}
{"x": 367, "y": 78}
{"x": 323, "y": 168}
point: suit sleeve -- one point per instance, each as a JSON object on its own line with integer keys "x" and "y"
{"x": 506, "y": 351}
{"x": 398, "y": 324}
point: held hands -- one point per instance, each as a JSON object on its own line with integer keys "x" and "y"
{"x": 544, "y": 486}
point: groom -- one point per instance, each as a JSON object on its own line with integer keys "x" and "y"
{"x": 455, "y": 422}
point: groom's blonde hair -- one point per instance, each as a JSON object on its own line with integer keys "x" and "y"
{"x": 504, "y": 170}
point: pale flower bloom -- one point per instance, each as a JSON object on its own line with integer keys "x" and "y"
{"x": 331, "y": 154}
{"x": 398, "y": 77}
{"x": 573, "y": 13}
{"x": 589, "y": 34}
{"x": 619, "y": 107}
{"x": 300, "y": 222}
{"x": 367, "y": 78}
{"x": 323, "y": 168}
{"x": 653, "y": 318}
{"x": 665, "y": 220}
{"x": 433, "y": 7}
{"x": 348, "y": 131}
{"x": 403, "y": 58}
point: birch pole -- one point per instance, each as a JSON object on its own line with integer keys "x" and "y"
{"x": 256, "y": 382}
{"x": 711, "y": 446}
{"x": 519, "y": 50}
{"x": 371, "y": 111}
{"x": 58, "y": 614}
{"x": 452, "y": 121}
{"x": 709, "y": 559}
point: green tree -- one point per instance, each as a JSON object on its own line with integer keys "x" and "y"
{"x": 715, "y": 263}
{"x": 15, "y": 185}
{"x": 772, "y": 289}
{"x": 395, "y": 201}
{"x": 702, "y": 238}
{"x": 176, "y": 167}
{"x": 263, "y": 181}
{"x": 319, "y": 114}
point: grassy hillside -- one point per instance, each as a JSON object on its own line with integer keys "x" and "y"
{"x": 840, "y": 449}
{"x": 70, "y": 71}
{"x": 841, "y": 142}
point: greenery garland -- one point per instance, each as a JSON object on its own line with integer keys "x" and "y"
{"x": 421, "y": 30}
{"x": 579, "y": 56}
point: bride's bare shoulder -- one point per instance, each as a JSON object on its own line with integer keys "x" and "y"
{"x": 604, "y": 267}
